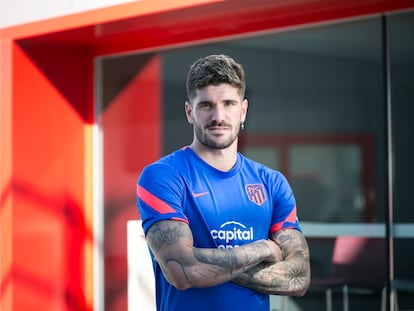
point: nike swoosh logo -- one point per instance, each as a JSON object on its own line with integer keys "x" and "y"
{"x": 200, "y": 194}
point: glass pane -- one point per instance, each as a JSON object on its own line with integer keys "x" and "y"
{"x": 401, "y": 34}
{"x": 323, "y": 82}
{"x": 267, "y": 155}
{"x": 316, "y": 112}
{"x": 315, "y": 170}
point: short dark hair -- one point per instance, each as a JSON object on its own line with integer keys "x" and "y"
{"x": 213, "y": 70}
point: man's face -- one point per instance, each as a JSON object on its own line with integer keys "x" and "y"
{"x": 216, "y": 113}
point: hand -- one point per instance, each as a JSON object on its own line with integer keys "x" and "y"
{"x": 276, "y": 255}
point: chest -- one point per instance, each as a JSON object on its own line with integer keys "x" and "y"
{"x": 231, "y": 211}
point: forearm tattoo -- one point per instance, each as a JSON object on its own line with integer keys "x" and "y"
{"x": 232, "y": 259}
{"x": 291, "y": 276}
{"x": 172, "y": 244}
{"x": 221, "y": 258}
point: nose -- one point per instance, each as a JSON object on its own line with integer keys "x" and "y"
{"x": 218, "y": 114}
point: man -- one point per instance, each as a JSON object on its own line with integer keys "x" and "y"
{"x": 222, "y": 229}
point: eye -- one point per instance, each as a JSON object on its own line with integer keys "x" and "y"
{"x": 204, "y": 105}
{"x": 230, "y": 102}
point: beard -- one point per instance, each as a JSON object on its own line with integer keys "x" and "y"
{"x": 210, "y": 142}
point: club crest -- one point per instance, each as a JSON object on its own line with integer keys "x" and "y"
{"x": 256, "y": 193}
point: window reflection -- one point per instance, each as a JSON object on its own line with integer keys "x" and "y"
{"x": 330, "y": 174}
{"x": 317, "y": 113}
{"x": 320, "y": 81}
{"x": 315, "y": 170}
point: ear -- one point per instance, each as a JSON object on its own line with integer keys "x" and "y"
{"x": 188, "y": 112}
{"x": 245, "y": 105}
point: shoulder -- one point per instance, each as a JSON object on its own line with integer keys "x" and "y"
{"x": 164, "y": 165}
{"x": 175, "y": 159}
{"x": 169, "y": 165}
{"x": 261, "y": 169}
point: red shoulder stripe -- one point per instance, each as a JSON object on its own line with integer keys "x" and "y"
{"x": 291, "y": 218}
{"x": 155, "y": 203}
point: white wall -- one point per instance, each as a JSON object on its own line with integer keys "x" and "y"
{"x": 15, "y": 12}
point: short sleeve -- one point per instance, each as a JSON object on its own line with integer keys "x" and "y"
{"x": 159, "y": 195}
{"x": 284, "y": 210}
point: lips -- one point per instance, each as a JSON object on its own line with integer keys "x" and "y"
{"x": 218, "y": 129}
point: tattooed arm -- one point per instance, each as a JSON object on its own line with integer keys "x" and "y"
{"x": 185, "y": 266}
{"x": 290, "y": 276}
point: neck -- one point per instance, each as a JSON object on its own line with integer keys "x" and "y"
{"x": 221, "y": 159}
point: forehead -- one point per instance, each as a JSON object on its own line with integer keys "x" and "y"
{"x": 217, "y": 93}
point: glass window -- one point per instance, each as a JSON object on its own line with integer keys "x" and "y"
{"x": 401, "y": 34}
{"x": 401, "y": 48}
{"x": 317, "y": 112}
{"x": 316, "y": 107}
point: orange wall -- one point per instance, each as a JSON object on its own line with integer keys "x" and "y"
{"x": 6, "y": 204}
{"x": 50, "y": 233}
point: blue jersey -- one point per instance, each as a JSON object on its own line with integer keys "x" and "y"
{"x": 223, "y": 210}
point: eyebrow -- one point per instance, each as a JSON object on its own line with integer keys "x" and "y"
{"x": 212, "y": 103}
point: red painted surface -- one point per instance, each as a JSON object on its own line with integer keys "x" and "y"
{"x": 6, "y": 204}
{"x": 49, "y": 229}
{"x": 152, "y": 26}
{"x": 46, "y": 106}
{"x": 132, "y": 139}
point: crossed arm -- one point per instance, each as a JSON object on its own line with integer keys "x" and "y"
{"x": 255, "y": 265}
{"x": 290, "y": 276}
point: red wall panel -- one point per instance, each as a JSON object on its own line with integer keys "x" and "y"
{"x": 132, "y": 139}
{"x": 6, "y": 207}
{"x": 48, "y": 181}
